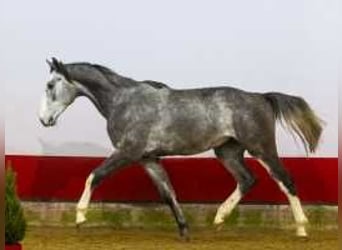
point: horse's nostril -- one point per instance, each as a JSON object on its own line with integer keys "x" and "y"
{"x": 50, "y": 121}
{"x": 42, "y": 121}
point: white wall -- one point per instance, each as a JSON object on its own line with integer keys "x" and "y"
{"x": 289, "y": 46}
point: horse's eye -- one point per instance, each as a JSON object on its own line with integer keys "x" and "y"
{"x": 50, "y": 86}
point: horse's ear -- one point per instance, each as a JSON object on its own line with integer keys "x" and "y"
{"x": 62, "y": 69}
{"x": 59, "y": 67}
{"x": 51, "y": 66}
{"x": 49, "y": 63}
{"x": 55, "y": 62}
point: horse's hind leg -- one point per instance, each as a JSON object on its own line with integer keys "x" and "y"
{"x": 258, "y": 135}
{"x": 277, "y": 171}
{"x": 161, "y": 180}
{"x": 231, "y": 155}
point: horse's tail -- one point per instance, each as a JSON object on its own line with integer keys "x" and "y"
{"x": 297, "y": 114}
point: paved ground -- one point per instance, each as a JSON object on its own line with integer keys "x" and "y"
{"x": 126, "y": 239}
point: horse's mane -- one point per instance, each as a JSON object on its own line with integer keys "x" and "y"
{"x": 103, "y": 69}
{"x": 154, "y": 84}
{"x": 115, "y": 78}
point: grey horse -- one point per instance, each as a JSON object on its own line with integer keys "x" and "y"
{"x": 147, "y": 120}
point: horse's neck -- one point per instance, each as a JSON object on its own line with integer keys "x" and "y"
{"x": 101, "y": 96}
{"x": 106, "y": 96}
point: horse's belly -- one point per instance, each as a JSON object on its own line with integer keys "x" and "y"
{"x": 187, "y": 142}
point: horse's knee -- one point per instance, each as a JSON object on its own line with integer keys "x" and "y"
{"x": 246, "y": 184}
{"x": 98, "y": 175}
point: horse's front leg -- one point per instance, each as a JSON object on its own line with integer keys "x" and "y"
{"x": 115, "y": 162}
{"x": 162, "y": 182}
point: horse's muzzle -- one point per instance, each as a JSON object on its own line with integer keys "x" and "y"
{"x": 49, "y": 123}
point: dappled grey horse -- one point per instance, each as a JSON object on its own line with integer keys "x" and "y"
{"x": 147, "y": 120}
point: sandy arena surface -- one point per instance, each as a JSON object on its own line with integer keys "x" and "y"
{"x": 231, "y": 238}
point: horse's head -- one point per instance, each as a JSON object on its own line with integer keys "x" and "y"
{"x": 59, "y": 94}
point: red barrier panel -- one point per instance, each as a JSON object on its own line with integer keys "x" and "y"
{"x": 13, "y": 247}
{"x": 47, "y": 178}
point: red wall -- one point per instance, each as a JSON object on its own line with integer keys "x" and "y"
{"x": 46, "y": 178}
{"x": 13, "y": 247}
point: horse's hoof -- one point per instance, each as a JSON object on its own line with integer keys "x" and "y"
{"x": 80, "y": 218}
{"x": 218, "y": 223}
{"x": 78, "y": 227}
{"x": 219, "y": 227}
{"x": 301, "y": 232}
{"x": 184, "y": 234}
{"x": 218, "y": 220}
{"x": 185, "y": 238}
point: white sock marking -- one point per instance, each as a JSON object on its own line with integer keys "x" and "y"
{"x": 84, "y": 201}
{"x": 296, "y": 206}
{"x": 227, "y": 206}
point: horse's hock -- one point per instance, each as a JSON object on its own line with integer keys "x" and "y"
{"x": 155, "y": 215}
